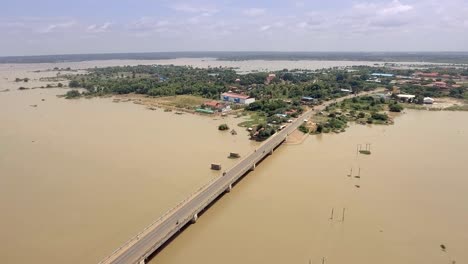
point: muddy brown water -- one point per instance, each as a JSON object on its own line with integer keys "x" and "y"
{"x": 412, "y": 198}
{"x": 78, "y": 178}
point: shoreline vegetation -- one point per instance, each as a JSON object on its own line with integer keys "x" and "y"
{"x": 280, "y": 96}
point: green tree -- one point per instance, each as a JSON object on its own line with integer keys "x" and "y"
{"x": 72, "y": 94}
{"x": 395, "y": 107}
{"x": 223, "y": 127}
{"x": 74, "y": 84}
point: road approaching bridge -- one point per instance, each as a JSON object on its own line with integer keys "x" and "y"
{"x": 139, "y": 248}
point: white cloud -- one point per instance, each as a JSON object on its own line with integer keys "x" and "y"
{"x": 187, "y": 8}
{"x": 265, "y": 28}
{"x": 148, "y": 24}
{"x": 57, "y": 27}
{"x": 253, "y": 12}
{"x": 99, "y": 28}
{"x": 395, "y": 8}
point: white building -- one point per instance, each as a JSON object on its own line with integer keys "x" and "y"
{"x": 237, "y": 98}
{"x": 406, "y": 97}
{"x": 428, "y": 100}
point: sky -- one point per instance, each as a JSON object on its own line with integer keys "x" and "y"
{"x": 31, "y": 27}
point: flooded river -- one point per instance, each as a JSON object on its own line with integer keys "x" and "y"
{"x": 412, "y": 198}
{"x": 80, "y": 177}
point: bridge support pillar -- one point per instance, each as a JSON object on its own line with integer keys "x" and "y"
{"x": 195, "y": 218}
{"x": 229, "y": 188}
{"x": 271, "y": 152}
{"x": 142, "y": 261}
{"x": 253, "y": 167}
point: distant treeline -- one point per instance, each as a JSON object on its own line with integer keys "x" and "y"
{"x": 169, "y": 80}
{"x": 440, "y": 57}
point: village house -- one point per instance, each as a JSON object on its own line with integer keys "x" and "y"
{"x": 217, "y": 106}
{"x": 406, "y": 97}
{"x": 270, "y": 78}
{"x": 237, "y": 98}
{"x": 442, "y": 85}
{"x": 308, "y": 100}
{"x": 427, "y": 74}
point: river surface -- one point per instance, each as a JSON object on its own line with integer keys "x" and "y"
{"x": 241, "y": 66}
{"x": 80, "y": 177}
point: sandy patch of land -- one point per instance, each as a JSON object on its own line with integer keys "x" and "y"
{"x": 297, "y": 137}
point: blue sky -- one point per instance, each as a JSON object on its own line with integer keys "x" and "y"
{"x": 32, "y": 27}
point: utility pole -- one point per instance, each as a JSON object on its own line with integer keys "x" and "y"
{"x": 331, "y": 217}
{"x": 342, "y": 218}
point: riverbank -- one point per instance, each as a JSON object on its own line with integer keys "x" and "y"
{"x": 441, "y": 104}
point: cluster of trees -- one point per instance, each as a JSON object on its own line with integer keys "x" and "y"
{"x": 395, "y": 107}
{"x": 262, "y": 132}
{"x": 160, "y": 80}
{"x": 155, "y": 80}
{"x": 223, "y": 127}
{"x": 425, "y": 91}
{"x": 72, "y": 94}
{"x": 422, "y": 91}
{"x": 335, "y": 123}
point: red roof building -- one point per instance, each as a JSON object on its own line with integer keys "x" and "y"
{"x": 427, "y": 75}
{"x": 212, "y": 104}
{"x": 440, "y": 84}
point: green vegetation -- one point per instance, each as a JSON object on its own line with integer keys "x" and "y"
{"x": 72, "y": 94}
{"x": 277, "y": 100}
{"x": 379, "y": 116}
{"x": 74, "y": 84}
{"x": 262, "y": 132}
{"x": 304, "y": 129}
{"x": 395, "y": 107}
{"x": 159, "y": 80}
{"x": 223, "y": 127}
{"x": 362, "y": 109}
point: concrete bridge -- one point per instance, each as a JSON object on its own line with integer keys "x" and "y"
{"x": 147, "y": 242}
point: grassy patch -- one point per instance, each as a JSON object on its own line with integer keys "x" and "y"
{"x": 183, "y": 101}
{"x": 254, "y": 119}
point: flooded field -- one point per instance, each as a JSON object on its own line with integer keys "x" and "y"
{"x": 80, "y": 177}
